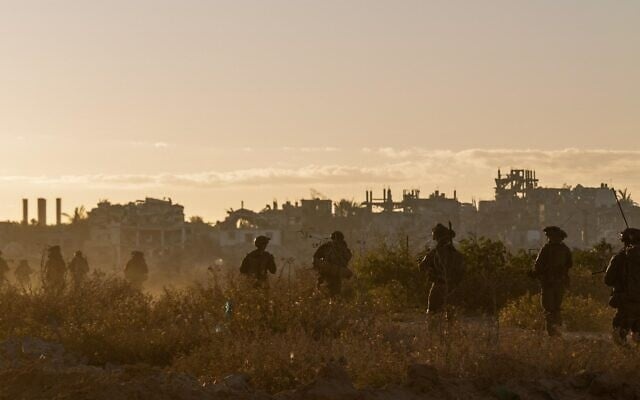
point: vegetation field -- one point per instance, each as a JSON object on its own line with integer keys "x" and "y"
{"x": 283, "y": 336}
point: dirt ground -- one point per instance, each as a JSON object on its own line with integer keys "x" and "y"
{"x": 33, "y": 369}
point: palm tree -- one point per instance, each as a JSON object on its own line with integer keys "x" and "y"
{"x": 625, "y": 197}
{"x": 345, "y": 208}
{"x": 79, "y": 215}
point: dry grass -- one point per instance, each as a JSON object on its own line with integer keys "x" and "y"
{"x": 283, "y": 335}
{"x": 580, "y": 314}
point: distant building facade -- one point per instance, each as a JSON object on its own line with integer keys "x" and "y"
{"x": 516, "y": 215}
{"x": 152, "y": 225}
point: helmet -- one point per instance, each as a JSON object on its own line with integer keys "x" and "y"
{"x": 442, "y": 232}
{"x": 54, "y": 250}
{"x": 261, "y": 241}
{"x": 337, "y": 235}
{"x": 554, "y": 231}
{"x": 630, "y": 235}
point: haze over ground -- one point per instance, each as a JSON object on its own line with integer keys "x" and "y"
{"x": 212, "y": 103}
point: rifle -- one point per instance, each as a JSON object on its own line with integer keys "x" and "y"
{"x": 450, "y": 232}
{"x": 626, "y": 223}
{"x": 620, "y": 208}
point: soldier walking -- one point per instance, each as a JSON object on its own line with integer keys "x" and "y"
{"x": 623, "y": 276}
{"x": 444, "y": 266}
{"x": 23, "y": 273}
{"x": 331, "y": 260}
{"x": 54, "y": 271}
{"x": 259, "y": 262}
{"x": 552, "y": 270}
{"x": 136, "y": 271}
{"x": 78, "y": 268}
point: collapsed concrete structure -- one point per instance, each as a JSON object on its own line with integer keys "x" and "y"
{"x": 108, "y": 233}
{"x": 516, "y": 215}
{"x": 151, "y": 225}
{"x": 519, "y": 211}
{"x": 521, "y": 208}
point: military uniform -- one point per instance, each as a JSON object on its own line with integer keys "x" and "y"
{"x": 552, "y": 270}
{"x": 136, "y": 271}
{"x": 78, "y": 268}
{"x": 54, "y": 270}
{"x": 4, "y": 269}
{"x": 444, "y": 267}
{"x": 259, "y": 262}
{"x": 331, "y": 260}
{"x": 23, "y": 273}
{"x": 623, "y": 276}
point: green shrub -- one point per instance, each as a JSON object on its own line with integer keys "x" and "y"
{"x": 494, "y": 276}
{"x": 391, "y": 267}
{"x": 585, "y": 284}
{"x": 594, "y": 259}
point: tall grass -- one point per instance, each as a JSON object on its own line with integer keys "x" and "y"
{"x": 282, "y": 335}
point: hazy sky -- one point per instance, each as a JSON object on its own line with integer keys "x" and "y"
{"x": 214, "y": 102}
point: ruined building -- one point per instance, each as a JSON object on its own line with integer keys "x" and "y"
{"x": 520, "y": 209}
{"x": 108, "y": 232}
{"x": 151, "y": 225}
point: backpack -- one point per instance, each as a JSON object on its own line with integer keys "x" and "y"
{"x": 632, "y": 267}
{"x": 454, "y": 265}
{"x": 325, "y": 268}
{"x": 331, "y": 261}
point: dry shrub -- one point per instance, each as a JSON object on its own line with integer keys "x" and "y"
{"x": 105, "y": 320}
{"x": 530, "y": 355}
{"x": 390, "y": 297}
{"x": 580, "y": 314}
{"x": 474, "y": 350}
{"x": 586, "y": 284}
{"x": 281, "y": 336}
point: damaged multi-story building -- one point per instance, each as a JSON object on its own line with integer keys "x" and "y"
{"x": 153, "y": 226}
{"x": 109, "y": 232}
{"x": 520, "y": 209}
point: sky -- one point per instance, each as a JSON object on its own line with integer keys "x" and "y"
{"x": 213, "y": 103}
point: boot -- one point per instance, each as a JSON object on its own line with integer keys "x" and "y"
{"x": 619, "y": 336}
{"x": 435, "y": 322}
{"x": 552, "y": 329}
